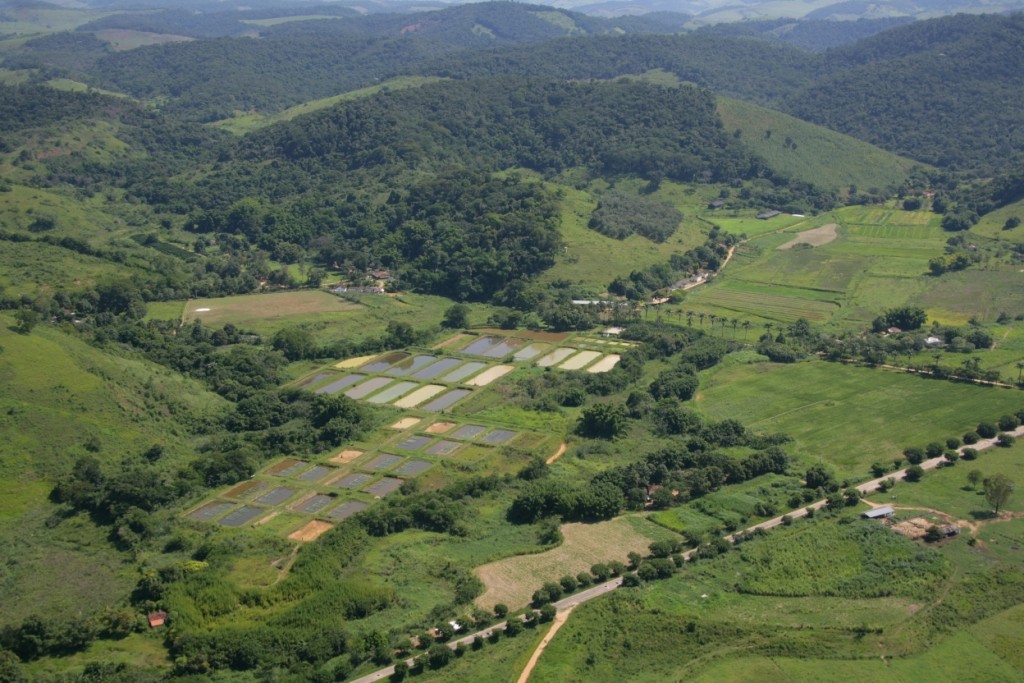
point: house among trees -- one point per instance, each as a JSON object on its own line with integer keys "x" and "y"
{"x": 717, "y": 204}
{"x": 879, "y": 512}
{"x": 157, "y": 618}
{"x": 768, "y": 214}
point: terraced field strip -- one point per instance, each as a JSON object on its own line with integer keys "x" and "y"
{"x": 392, "y": 392}
{"x": 531, "y": 351}
{"x": 419, "y": 396}
{"x": 346, "y": 510}
{"x": 605, "y": 364}
{"x": 784, "y": 308}
{"x": 459, "y": 374}
{"x": 368, "y": 387}
{"x": 446, "y": 400}
{"x": 492, "y": 374}
{"x": 580, "y": 360}
{"x": 555, "y": 357}
{"x": 432, "y": 371}
{"x": 354, "y": 362}
{"x": 409, "y": 365}
{"x": 903, "y": 232}
{"x": 339, "y": 384}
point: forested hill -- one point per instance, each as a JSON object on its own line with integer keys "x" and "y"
{"x": 948, "y": 92}
{"x": 743, "y": 67}
{"x": 614, "y": 128}
{"x": 404, "y": 176}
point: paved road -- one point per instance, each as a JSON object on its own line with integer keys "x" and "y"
{"x": 608, "y": 586}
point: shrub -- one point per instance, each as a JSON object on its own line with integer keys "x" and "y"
{"x": 986, "y": 430}
{"x": 1008, "y": 423}
{"x": 914, "y": 473}
{"x": 934, "y": 449}
{"x": 1006, "y": 440}
{"x": 601, "y": 572}
{"x": 952, "y": 442}
{"x": 969, "y": 454}
{"x": 914, "y": 455}
{"x": 514, "y": 627}
{"x": 501, "y": 610}
{"x": 569, "y": 583}
{"x": 630, "y": 581}
{"x": 971, "y": 438}
{"x": 584, "y": 579}
{"x": 952, "y": 455}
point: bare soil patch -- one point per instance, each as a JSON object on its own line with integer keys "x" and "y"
{"x": 310, "y": 531}
{"x": 556, "y": 625}
{"x": 346, "y": 456}
{"x": 406, "y": 423}
{"x": 815, "y": 237}
{"x": 355, "y": 362}
{"x": 514, "y": 579}
{"x": 558, "y": 453}
{"x": 440, "y": 427}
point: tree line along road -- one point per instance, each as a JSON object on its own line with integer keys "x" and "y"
{"x": 608, "y": 586}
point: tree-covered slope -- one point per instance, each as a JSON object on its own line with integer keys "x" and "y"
{"x": 949, "y": 92}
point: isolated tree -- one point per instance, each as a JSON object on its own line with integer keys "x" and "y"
{"x": 914, "y": 473}
{"x": 914, "y": 455}
{"x": 456, "y": 317}
{"x": 602, "y": 421}
{"x": 998, "y": 489}
{"x": 27, "y": 319}
{"x": 974, "y": 477}
{"x": 500, "y": 610}
{"x": 986, "y": 430}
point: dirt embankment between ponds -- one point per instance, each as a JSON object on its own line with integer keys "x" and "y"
{"x": 815, "y": 237}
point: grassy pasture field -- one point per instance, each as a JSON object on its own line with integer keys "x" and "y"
{"x": 848, "y": 417}
{"x": 513, "y": 580}
{"x": 331, "y": 317}
{"x": 264, "y": 312}
{"x": 825, "y": 158}
{"x": 991, "y": 224}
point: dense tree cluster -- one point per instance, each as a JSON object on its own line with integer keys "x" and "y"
{"x": 619, "y": 215}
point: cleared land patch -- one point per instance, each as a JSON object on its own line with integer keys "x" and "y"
{"x": 513, "y": 580}
{"x": 267, "y": 312}
{"x": 310, "y": 531}
{"x": 815, "y": 237}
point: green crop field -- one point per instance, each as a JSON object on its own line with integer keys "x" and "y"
{"x": 879, "y": 260}
{"x": 848, "y": 417}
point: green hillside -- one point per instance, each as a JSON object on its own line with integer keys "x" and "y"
{"x": 810, "y": 153}
{"x": 64, "y": 400}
